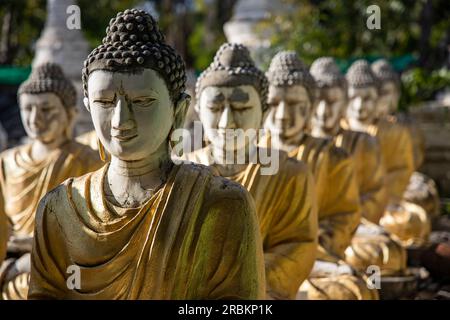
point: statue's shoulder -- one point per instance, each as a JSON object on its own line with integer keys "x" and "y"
{"x": 219, "y": 190}
{"x": 292, "y": 166}
{"x": 10, "y": 154}
{"x": 8, "y": 158}
{"x": 82, "y": 151}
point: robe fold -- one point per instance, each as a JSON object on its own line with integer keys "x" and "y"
{"x": 369, "y": 171}
{"x": 24, "y": 181}
{"x": 195, "y": 238}
{"x": 287, "y": 214}
{"x": 338, "y": 200}
{"x": 397, "y": 155}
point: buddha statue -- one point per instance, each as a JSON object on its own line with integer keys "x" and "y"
{"x": 48, "y": 107}
{"x": 142, "y": 227}
{"x": 291, "y": 98}
{"x": 395, "y": 141}
{"x": 231, "y": 97}
{"x": 326, "y": 123}
{"x": 409, "y": 222}
{"x": 371, "y": 245}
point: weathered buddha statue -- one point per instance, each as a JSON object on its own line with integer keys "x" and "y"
{"x": 48, "y": 108}
{"x": 142, "y": 227}
{"x": 371, "y": 245}
{"x": 231, "y": 99}
{"x": 291, "y": 98}
{"x": 406, "y": 220}
{"x": 394, "y": 139}
{"x": 370, "y": 239}
{"x": 326, "y": 123}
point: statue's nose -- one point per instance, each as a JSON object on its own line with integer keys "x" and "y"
{"x": 123, "y": 116}
{"x": 227, "y": 119}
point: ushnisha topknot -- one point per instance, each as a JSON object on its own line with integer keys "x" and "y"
{"x": 233, "y": 66}
{"x": 326, "y": 73}
{"x": 383, "y": 70}
{"x": 359, "y": 75}
{"x": 286, "y": 69}
{"x": 49, "y": 77}
{"x": 134, "y": 40}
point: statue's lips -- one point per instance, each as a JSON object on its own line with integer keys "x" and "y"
{"x": 125, "y": 137}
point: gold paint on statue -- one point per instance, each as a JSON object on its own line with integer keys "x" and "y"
{"x": 340, "y": 287}
{"x": 337, "y": 190}
{"x": 369, "y": 171}
{"x": 24, "y": 181}
{"x": 397, "y": 155}
{"x": 177, "y": 245}
{"x": 285, "y": 205}
{"x": 89, "y": 139}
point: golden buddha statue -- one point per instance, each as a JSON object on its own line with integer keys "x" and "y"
{"x": 231, "y": 99}
{"x": 291, "y": 98}
{"x": 372, "y": 245}
{"x": 28, "y": 172}
{"x": 143, "y": 227}
{"x": 407, "y": 221}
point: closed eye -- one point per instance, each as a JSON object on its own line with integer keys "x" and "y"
{"x": 105, "y": 103}
{"x": 143, "y": 101}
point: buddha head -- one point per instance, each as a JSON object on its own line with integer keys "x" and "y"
{"x": 291, "y": 96}
{"x": 362, "y": 94}
{"x": 47, "y": 102}
{"x": 134, "y": 87}
{"x": 331, "y": 97}
{"x": 389, "y": 90}
{"x": 231, "y": 95}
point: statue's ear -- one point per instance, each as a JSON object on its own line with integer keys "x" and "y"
{"x": 86, "y": 103}
{"x": 181, "y": 108}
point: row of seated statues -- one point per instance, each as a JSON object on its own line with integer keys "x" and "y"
{"x": 140, "y": 222}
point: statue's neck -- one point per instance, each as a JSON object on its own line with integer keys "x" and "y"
{"x": 41, "y": 150}
{"x": 287, "y": 144}
{"x": 231, "y": 162}
{"x": 131, "y": 183}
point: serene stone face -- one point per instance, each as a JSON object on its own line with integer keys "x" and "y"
{"x": 388, "y": 99}
{"x": 361, "y": 106}
{"x": 222, "y": 108}
{"x": 132, "y": 113}
{"x": 328, "y": 111}
{"x": 290, "y": 108}
{"x": 44, "y": 116}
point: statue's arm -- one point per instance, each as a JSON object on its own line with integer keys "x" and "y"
{"x": 402, "y": 167}
{"x": 47, "y": 280}
{"x": 232, "y": 256}
{"x": 290, "y": 247}
{"x": 373, "y": 188}
{"x": 339, "y": 211}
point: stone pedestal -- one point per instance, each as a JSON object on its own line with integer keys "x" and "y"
{"x": 66, "y": 47}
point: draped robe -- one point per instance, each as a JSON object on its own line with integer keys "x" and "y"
{"x": 369, "y": 171}
{"x": 338, "y": 201}
{"x": 195, "y": 238}
{"x": 397, "y": 155}
{"x": 24, "y": 181}
{"x": 287, "y": 214}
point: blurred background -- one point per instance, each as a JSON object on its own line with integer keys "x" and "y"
{"x": 414, "y": 35}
